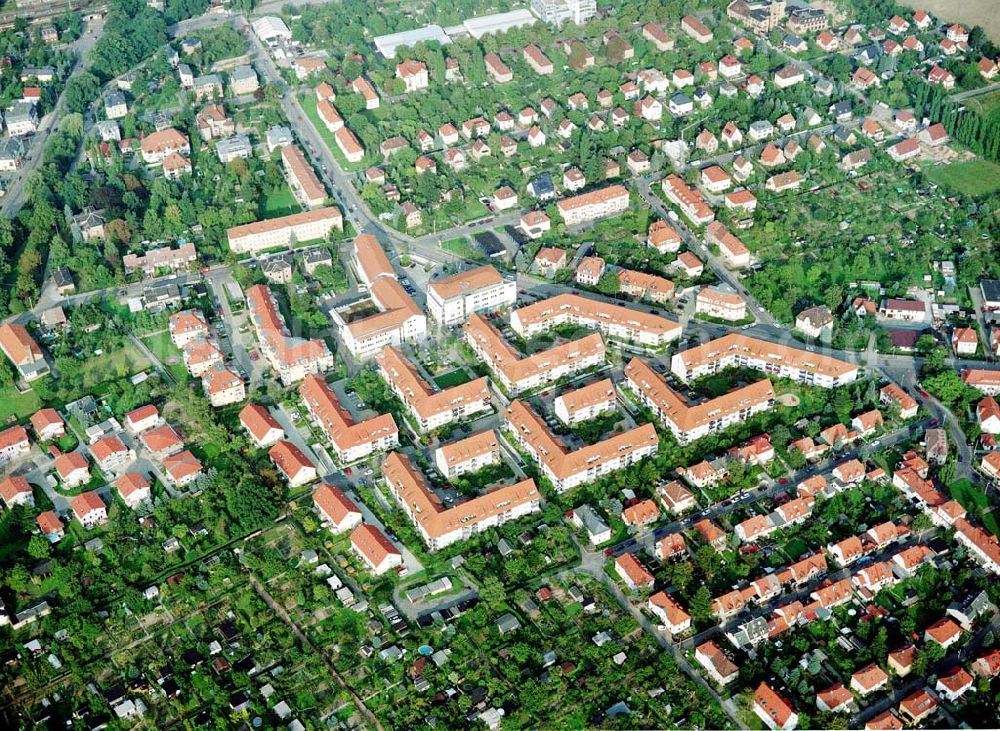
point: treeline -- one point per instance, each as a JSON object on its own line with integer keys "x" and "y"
{"x": 981, "y": 133}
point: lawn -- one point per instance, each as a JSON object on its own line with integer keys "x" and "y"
{"x": 459, "y": 247}
{"x": 15, "y": 406}
{"x": 971, "y": 498}
{"x": 308, "y": 102}
{"x": 970, "y": 177}
{"x": 452, "y": 378}
{"x": 281, "y": 203}
{"x": 167, "y": 353}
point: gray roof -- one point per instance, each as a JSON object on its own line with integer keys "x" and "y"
{"x": 243, "y": 71}
{"x": 208, "y": 80}
{"x": 20, "y": 111}
{"x": 11, "y": 148}
{"x": 114, "y": 99}
{"x": 233, "y": 144}
{"x": 990, "y": 289}
{"x": 508, "y": 623}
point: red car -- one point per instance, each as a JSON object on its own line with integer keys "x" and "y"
{"x": 783, "y": 481}
{"x": 347, "y": 470}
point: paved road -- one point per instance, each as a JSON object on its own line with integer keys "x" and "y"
{"x": 14, "y": 198}
{"x": 963, "y": 95}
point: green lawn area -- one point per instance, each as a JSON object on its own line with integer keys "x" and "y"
{"x": 970, "y": 177}
{"x": 795, "y": 548}
{"x": 17, "y": 405}
{"x": 452, "y": 378}
{"x": 170, "y": 356}
{"x": 281, "y": 203}
{"x": 308, "y": 102}
{"x": 965, "y": 492}
{"x": 459, "y": 247}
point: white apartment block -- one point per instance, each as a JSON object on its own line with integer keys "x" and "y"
{"x": 451, "y": 300}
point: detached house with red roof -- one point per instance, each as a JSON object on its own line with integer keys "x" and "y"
{"x": 73, "y": 469}
{"x": 633, "y": 573}
{"x": 142, "y": 419}
{"x": 716, "y": 663}
{"x": 377, "y": 552}
{"x": 182, "y": 468}
{"x": 945, "y": 632}
{"x": 292, "y": 463}
{"x": 111, "y": 454}
{"x": 134, "y": 489}
{"x": 671, "y": 615}
{"x": 48, "y": 425}
{"x": 16, "y": 490}
{"x": 774, "y": 710}
{"x": 336, "y": 509}
{"x": 89, "y": 509}
{"x": 264, "y": 430}
{"x": 50, "y": 526}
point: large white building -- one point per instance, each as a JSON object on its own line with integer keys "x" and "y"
{"x": 557, "y": 12}
{"x": 742, "y": 351}
{"x": 440, "y": 526}
{"x": 468, "y": 455}
{"x": 613, "y": 321}
{"x": 452, "y": 299}
{"x": 585, "y": 403}
{"x": 399, "y": 318}
{"x": 297, "y": 228}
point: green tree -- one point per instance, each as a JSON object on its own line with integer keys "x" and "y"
{"x": 609, "y": 284}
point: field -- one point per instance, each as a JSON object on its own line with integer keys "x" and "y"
{"x": 15, "y": 406}
{"x": 164, "y": 350}
{"x": 970, "y": 12}
{"x": 281, "y": 203}
{"x": 986, "y": 104}
{"x": 972, "y": 177}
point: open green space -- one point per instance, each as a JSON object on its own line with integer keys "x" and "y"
{"x": 459, "y": 247}
{"x": 969, "y": 177}
{"x": 452, "y": 378}
{"x": 281, "y": 202}
{"x": 15, "y": 406}
{"x": 167, "y": 353}
{"x": 971, "y": 498}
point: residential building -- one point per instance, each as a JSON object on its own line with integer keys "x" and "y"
{"x": 441, "y": 526}
{"x": 744, "y": 351}
{"x": 451, "y": 300}
{"x": 594, "y": 205}
{"x": 376, "y": 551}
{"x": 613, "y": 321}
{"x": 815, "y": 322}
{"x": 585, "y": 403}
{"x": 336, "y": 509}
{"x": 134, "y": 489}
{"x": 773, "y": 710}
{"x": 223, "y": 386}
{"x": 516, "y": 373}
{"x": 157, "y": 146}
{"x": 689, "y": 423}
{"x": 292, "y": 358}
{"x": 671, "y": 614}
{"x": 351, "y": 441}
{"x": 89, "y": 509}
{"x": 716, "y": 663}
{"x": 264, "y": 429}
{"x": 720, "y": 302}
{"x": 468, "y": 455}
{"x": 567, "y": 469}
{"x": 589, "y": 271}
{"x": 162, "y": 258}
{"x": 431, "y": 408}
{"x": 292, "y": 463}
{"x": 687, "y": 199}
{"x": 23, "y": 351}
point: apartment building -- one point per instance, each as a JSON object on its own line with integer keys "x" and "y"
{"x": 720, "y": 302}
{"x": 687, "y": 199}
{"x": 399, "y": 318}
{"x": 517, "y": 373}
{"x": 452, "y": 299}
{"x": 440, "y": 526}
{"x": 291, "y": 358}
{"x": 161, "y": 257}
{"x": 263, "y": 428}
{"x": 585, "y": 403}
{"x": 691, "y": 422}
{"x": 431, "y": 409}
{"x": 351, "y": 441}
{"x": 566, "y": 469}
{"x": 284, "y": 231}
{"x": 336, "y": 509}
{"x": 645, "y": 286}
{"x": 743, "y": 351}
{"x": 157, "y": 146}
{"x": 613, "y": 321}
{"x": 594, "y": 205}
{"x": 468, "y": 455}
{"x": 302, "y": 178}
